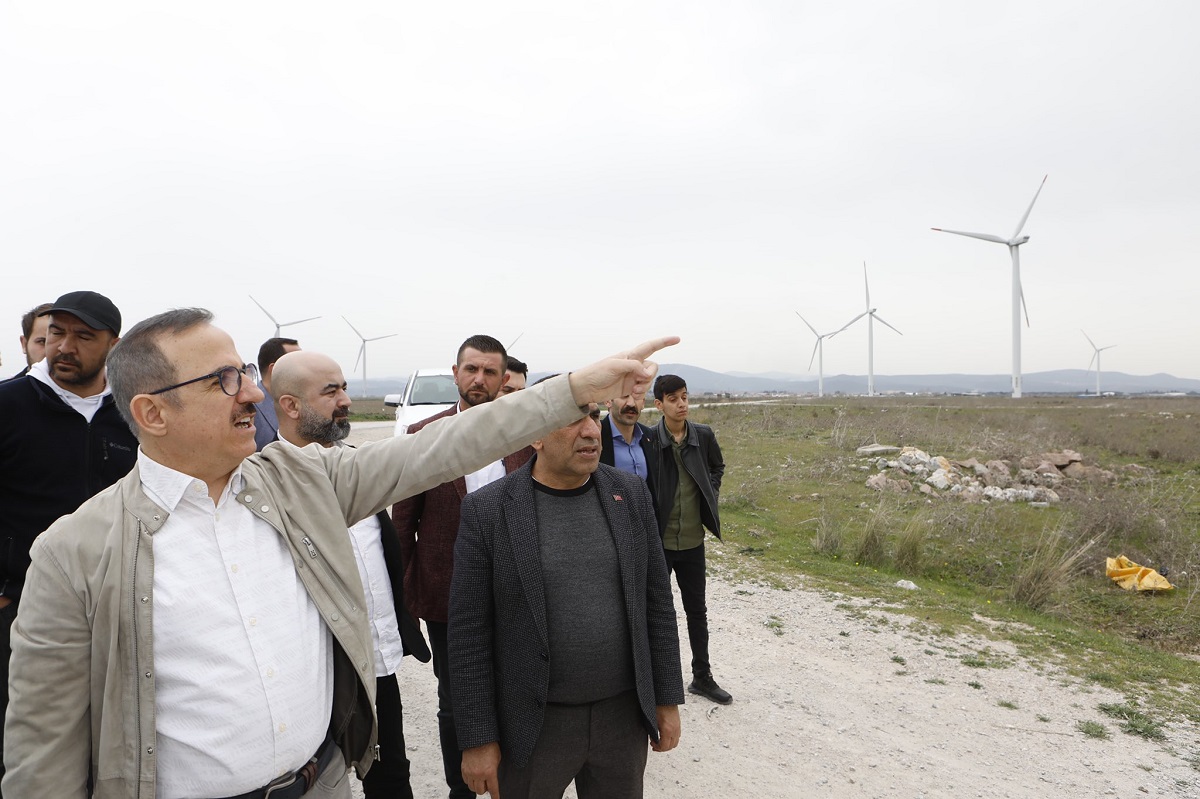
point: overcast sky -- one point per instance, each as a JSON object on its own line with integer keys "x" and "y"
{"x": 586, "y": 176}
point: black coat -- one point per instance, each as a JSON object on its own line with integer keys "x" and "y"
{"x": 703, "y": 460}
{"x": 51, "y": 461}
{"x": 498, "y": 640}
{"x": 648, "y": 437}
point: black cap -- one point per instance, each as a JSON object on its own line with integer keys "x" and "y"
{"x": 96, "y": 310}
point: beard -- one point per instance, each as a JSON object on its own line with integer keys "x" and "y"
{"x": 317, "y": 429}
{"x": 79, "y": 377}
{"x": 480, "y": 396}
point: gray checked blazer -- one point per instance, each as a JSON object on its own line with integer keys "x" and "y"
{"x": 499, "y": 658}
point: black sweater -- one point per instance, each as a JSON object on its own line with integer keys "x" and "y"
{"x": 51, "y": 461}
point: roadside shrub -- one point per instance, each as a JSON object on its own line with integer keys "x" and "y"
{"x": 871, "y": 547}
{"x": 910, "y": 547}
{"x": 1047, "y": 570}
{"x": 829, "y": 540}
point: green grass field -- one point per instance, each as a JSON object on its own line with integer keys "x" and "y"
{"x": 794, "y": 502}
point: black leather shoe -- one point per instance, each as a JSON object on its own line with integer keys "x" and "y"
{"x": 706, "y": 686}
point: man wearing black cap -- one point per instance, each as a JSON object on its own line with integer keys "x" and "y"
{"x": 61, "y": 440}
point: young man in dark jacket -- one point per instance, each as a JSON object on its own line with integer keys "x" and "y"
{"x": 690, "y": 468}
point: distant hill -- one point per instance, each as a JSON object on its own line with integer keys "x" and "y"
{"x": 1060, "y": 381}
{"x": 704, "y": 381}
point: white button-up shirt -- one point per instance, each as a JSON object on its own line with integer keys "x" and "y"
{"x": 244, "y": 688}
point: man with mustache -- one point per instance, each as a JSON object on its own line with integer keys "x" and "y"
{"x": 564, "y": 651}
{"x": 199, "y": 630}
{"x": 428, "y": 524}
{"x": 62, "y": 439}
{"x": 312, "y": 407}
{"x": 628, "y": 444}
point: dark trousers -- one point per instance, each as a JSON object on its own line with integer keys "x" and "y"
{"x": 602, "y": 746}
{"x": 689, "y": 567}
{"x": 389, "y": 776}
{"x": 447, "y": 734}
{"x": 7, "y": 616}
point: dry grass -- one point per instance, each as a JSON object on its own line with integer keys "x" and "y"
{"x": 1048, "y": 569}
{"x": 909, "y": 555}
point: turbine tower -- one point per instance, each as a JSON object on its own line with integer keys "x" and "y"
{"x": 1096, "y": 359}
{"x": 819, "y": 353}
{"x": 871, "y": 317}
{"x": 1018, "y": 296}
{"x": 362, "y": 352}
{"x": 279, "y": 325}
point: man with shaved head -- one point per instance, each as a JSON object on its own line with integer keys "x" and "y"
{"x": 312, "y": 407}
{"x": 200, "y": 628}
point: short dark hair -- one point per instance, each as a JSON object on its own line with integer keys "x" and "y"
{"x": 520, "y": 367}
{"x": 547, "y": 377}
{"x": 33, "y": 313}
{"x": 484, "y": 344}
{"x": 668, "y": 384}
{"x": 272, "y": 350}
{"x": 137, "y": 365}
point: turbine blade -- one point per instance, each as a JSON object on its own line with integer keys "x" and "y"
{"x": 852, "y": 321}
{"x": 1024, "y": 308}
{"x": 1109, "y": 347}
{"x": 298, "y": 321}
{"x": 866, "y": 285}
{"x": 814, "y": 353}
{"x": 1021, "y": 224}
{"x": 264, "y": 310}
{"x": 1089, "y": 338}
{"x": 1092, "y": 361}
{"x": 389, "y": 335}
{"x": 362, "y": 348}
{"x": 880, "y": 319}
{"x": 810, "y": 327}
{"x": 984, "y": 236}
{"x": 355, "y": 329}
{"x": 515, "y": 340}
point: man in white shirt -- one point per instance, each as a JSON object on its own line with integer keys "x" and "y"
{"x": 199, "y": 630}
{"x": 312, "y": 407}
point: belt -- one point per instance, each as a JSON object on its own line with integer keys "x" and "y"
{"x": 296, "y": 783}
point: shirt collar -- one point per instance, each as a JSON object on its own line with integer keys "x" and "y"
{"x": 616, "y": 431}
{"x": 167, "y": 487}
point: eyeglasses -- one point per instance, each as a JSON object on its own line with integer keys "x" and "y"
{"x": 230, "y": 377}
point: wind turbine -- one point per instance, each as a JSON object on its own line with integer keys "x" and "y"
{"x": 362, "y": 352}
{"x": 819, "y": 353}
{"x": 1018, "y": 296}
{"x": 871, "y": 317}
{"x": 1096, "y": 359}
{"x": 279, "y": 325}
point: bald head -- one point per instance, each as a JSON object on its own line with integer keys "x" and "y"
{"x": 310, "y": 399}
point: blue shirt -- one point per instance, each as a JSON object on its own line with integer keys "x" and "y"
{"x": 628, "y": 456}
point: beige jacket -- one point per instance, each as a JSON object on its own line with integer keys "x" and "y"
{"x": 81, "y": 682}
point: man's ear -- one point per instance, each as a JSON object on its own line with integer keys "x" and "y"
{"x": 290, "y": 406}
{"x": 658, "y": 404}
{"x": 537, "y": 445}
{"x": 113, "y": 342}
{"x": 147, "y": 412}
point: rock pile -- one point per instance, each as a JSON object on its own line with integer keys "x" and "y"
{"x": 1034, "y": 479}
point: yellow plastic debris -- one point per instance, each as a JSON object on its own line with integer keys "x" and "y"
{"x": 1133, "y": 577}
